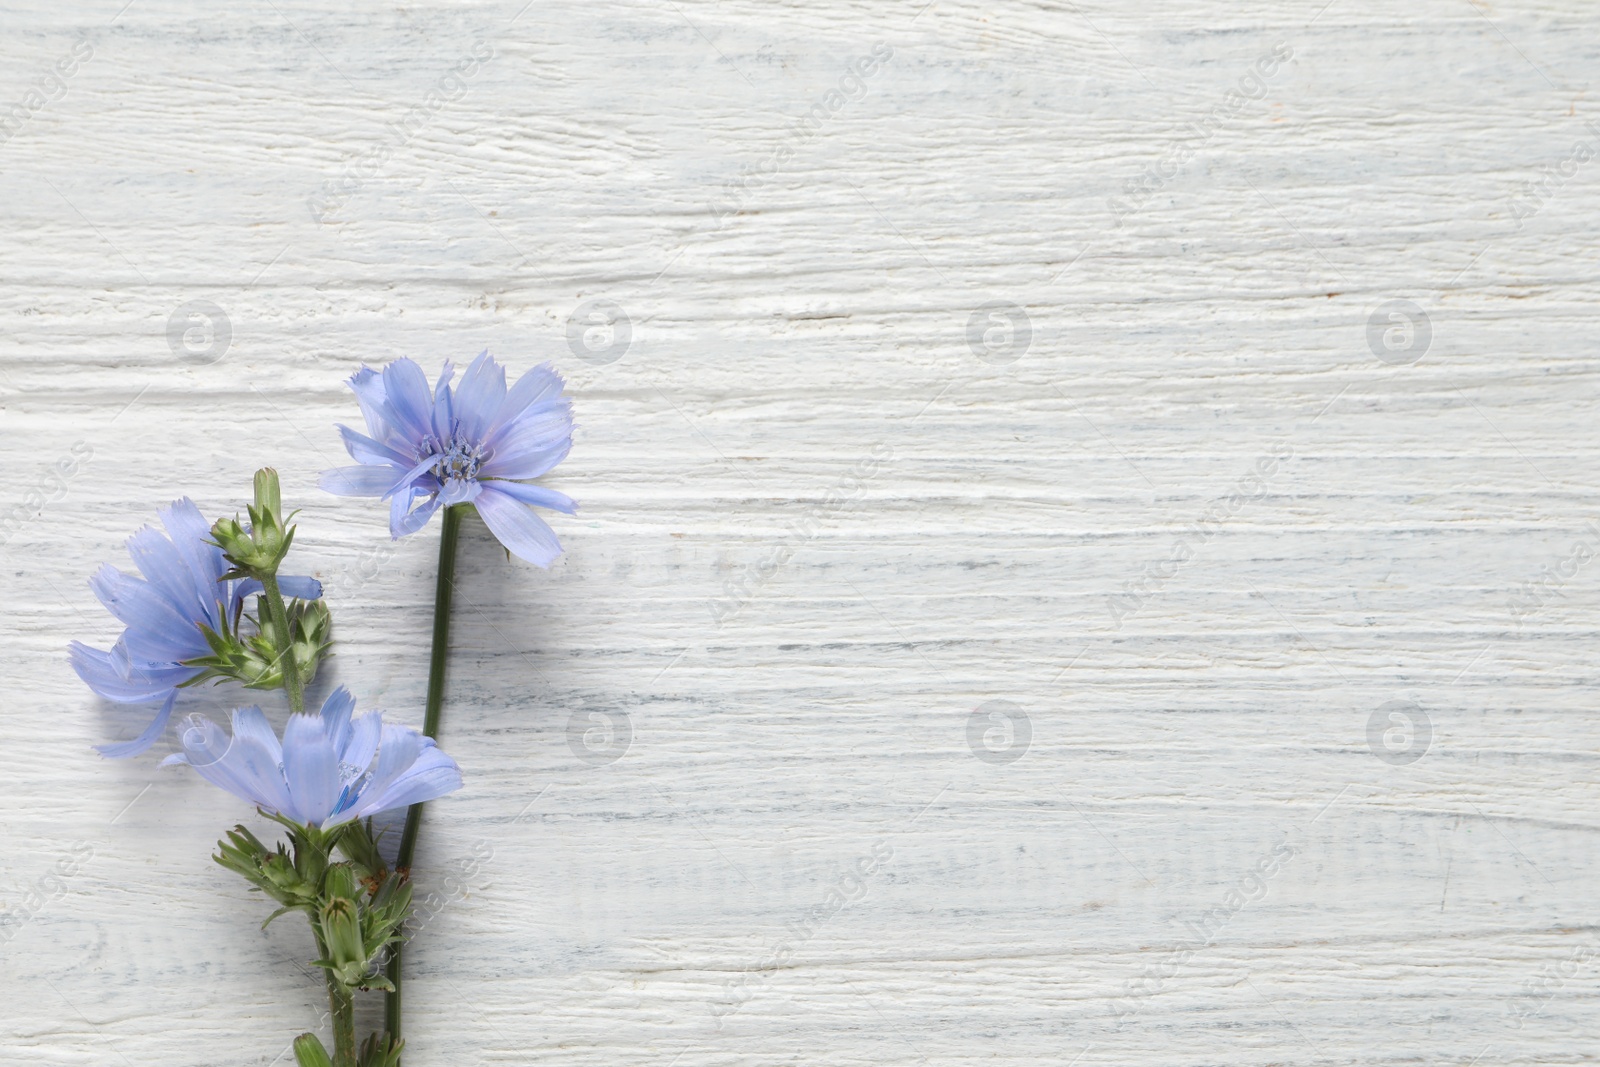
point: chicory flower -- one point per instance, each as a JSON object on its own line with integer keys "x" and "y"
{"x": 475, "y": 443}
{"x": 329, "y": 768}
{"x": 182, "y": 590}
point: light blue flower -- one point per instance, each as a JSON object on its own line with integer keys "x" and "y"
{"x": 328, "y": 770}
{"x": 182, "y": 589}
{"x": 476, "y": 443}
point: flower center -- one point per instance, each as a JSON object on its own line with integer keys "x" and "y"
{"x": 455, "y": 458}
{"x": 354, "y": 779}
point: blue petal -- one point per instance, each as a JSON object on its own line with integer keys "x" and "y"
{"x": 251, "y": 726}
{"x": 336, "y": 712}
{"x": 311, "y": 768}
{"x": 403, "y": 523}
{"x": 152, "y": 733}
{"x": 479, "y": 396}
{"x": 443, "y": 408}
{"x": 362, "y": 744}
{"x": 156, "y": 631}
{"x": 537, "y": 495}
{"x": 105, "y": 675}
{"x": 398, "y": 748}
{"x": 299, "y": 588}
{"x": 255, "y": 759}
{"x": 191, "y": 533}
{"x": 367, "y": 384}
{"x": 364, "y": 449}
{"x": 239, "y": 763}
{"x": 303, "y": 778}
{"x": 518, "y": 528}
{"x": 407, "y": 402}
{"x": 430, "y": 776}
{"x": 416, "y": 477}
{"x": 540, "y": 430}
{"x": 539, "y": 384}
{"x": 365, "y": 480}
{"x": 532, "y": 464}
{"x": 165, "y": 569}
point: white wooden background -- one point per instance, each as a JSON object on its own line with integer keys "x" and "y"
{"x": 800, "y": 408}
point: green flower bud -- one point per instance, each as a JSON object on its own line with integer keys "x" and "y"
{"x": 257, "y": 550}
{"x": 341, "y": 926}
{"x": 292, "y": 882}
{"x": 269, "y": 497}
{"x": 340, "y": 920}
{"x": 308, "y": 1052}
{"x": 311, "y": 633}
{"x": 254, "y": 660}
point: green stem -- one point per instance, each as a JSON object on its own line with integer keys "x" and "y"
{"x": 342, "y": 1008}
{"x": 280, "y": 621}
{"x": 343, "y": 1005}
{"x": 449, "y": 535}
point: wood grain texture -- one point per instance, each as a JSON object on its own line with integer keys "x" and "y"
{"x": 818, "y": 530}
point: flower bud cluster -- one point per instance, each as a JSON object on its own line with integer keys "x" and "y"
{"x": 356, "y": 907}
{"x": 257, "y": 549}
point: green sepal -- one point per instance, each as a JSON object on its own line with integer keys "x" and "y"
{"x": 361, "y": 848}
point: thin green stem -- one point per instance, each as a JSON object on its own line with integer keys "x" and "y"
{"x": 342, "y": 1009}
{"x": 342, "y": 1003}
{"x": 280, "y": 621}
{"x": 449, "y": 535}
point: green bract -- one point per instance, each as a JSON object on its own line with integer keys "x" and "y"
{"x": 253, "y": 659}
